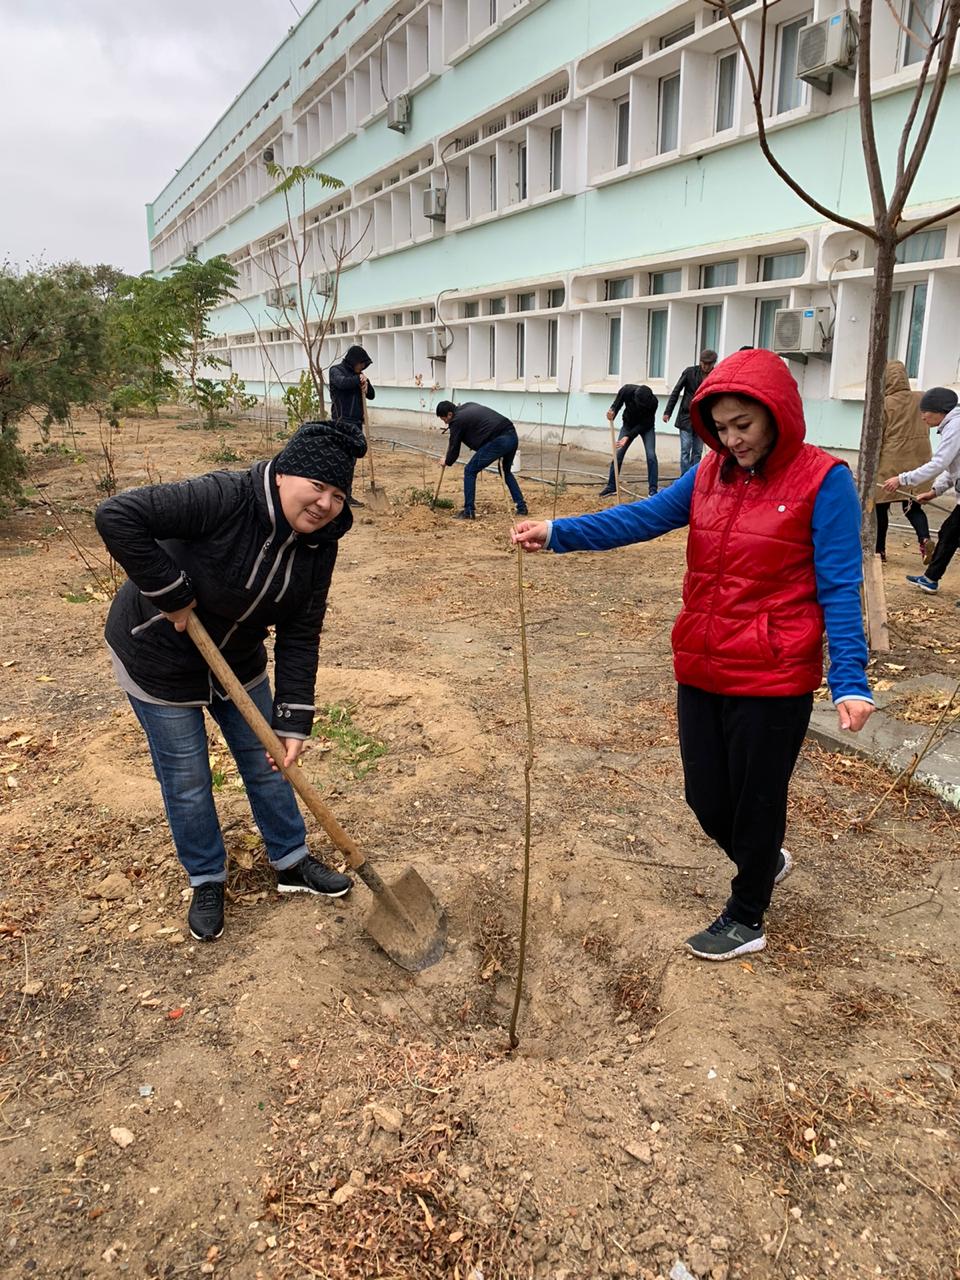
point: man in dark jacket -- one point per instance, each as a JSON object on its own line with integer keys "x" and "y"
{"x": 492, "y": 437}
{"x": 688, "y": 384}
{"x": 639, "y": 406}
{"x": 348, "y": 385}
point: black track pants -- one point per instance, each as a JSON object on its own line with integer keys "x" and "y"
{"x": 738, "y": 756}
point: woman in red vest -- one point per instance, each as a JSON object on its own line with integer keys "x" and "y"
{"x": 773, "y": 561}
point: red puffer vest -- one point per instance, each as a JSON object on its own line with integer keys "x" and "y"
{"x": 750, "y": 623}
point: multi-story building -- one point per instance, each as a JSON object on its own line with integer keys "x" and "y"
{"x": 606, "y": 208}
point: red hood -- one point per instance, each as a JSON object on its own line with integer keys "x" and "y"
{"x": 763, "y": 376}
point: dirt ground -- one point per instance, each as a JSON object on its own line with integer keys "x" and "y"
{"x": 287, "y": 1103}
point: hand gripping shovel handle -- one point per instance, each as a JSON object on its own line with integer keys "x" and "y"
{"x": 366, "y": 433}
{"x": 305, "y": 789}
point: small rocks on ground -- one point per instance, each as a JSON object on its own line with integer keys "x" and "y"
{"x": 122, "y": 1137}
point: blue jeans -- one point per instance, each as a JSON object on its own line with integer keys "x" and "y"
{"x": 503, "y": 446}
{"x": 691, "y": 447}
{"x": 649, "y": 439}
{"x": 177, "y": 737}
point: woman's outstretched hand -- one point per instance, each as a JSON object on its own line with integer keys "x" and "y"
{"x": 854, "y": 714}
{"x": 531, "y": 535}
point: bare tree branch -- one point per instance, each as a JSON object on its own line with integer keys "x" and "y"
{"x": 917, "y": 99}
{"x": 868, "y": 136}
{"x": 915, "y": 227}
{"x": 756, "y": 85}
{"x": 908, "y": 177}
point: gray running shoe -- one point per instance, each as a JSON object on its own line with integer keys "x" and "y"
{"x": 726, "y": 939}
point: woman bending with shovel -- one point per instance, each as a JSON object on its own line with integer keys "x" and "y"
{"x": 248, "y": 550}
{"x": 773, "y": 560}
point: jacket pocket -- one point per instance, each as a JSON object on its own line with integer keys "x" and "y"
{"x": 144, "y": 625}
{"x": 764, "y": 639}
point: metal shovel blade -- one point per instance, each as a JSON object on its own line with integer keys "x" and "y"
{"x": 377, "y": 500}
{"x": 408, "y": 923}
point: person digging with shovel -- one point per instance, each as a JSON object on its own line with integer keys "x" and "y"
{"x": 773, "y": 561}
{"x": 492, "y": 437}
{"x": 248, "y": 550}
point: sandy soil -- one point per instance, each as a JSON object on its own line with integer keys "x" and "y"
{"x": 298, "y": 1106}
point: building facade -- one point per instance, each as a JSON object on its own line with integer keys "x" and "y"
{"x": 606, "y": 208}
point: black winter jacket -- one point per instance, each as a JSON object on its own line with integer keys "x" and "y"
{"x": 639, "y": 406}
{"x": 688, "y": 384}
{"x": 221, "y": 539}
{"x": 473, "y": 425}
{"x": 346, "y": 403}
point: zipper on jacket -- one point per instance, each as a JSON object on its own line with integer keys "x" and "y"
{"x": 257, "y": 563}
{"x": 720, "y": 563}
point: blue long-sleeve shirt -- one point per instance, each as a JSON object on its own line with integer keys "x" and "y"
{"x": 836, "y": 559}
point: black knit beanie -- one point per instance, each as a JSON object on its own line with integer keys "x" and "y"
{"x": 325, "y": 451}
{"x": 938, "y": 400}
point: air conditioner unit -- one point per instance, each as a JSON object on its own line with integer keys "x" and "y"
{"x": 323, "y": 284}
{"x": 802, "y": 331}
{"x": 274, "y": 298}
{"x": 435, "y": 204}
{"x": 435, "y": 347}
{"x": 268, "y": 155}
{"x": 827, "y": 46}
{"x": 399, "y": 110}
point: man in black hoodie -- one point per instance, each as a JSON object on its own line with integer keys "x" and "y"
{"x": 639, "y": 406}
{"x": 688, "y": 384}
{"x": 492, "y": 437}
{"x": 348, "y": 385}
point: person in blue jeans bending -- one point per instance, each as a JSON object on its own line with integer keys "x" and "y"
{"x": 492, "y": 437}
{"x": 249, "y": 550}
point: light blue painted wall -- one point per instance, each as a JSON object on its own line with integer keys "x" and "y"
{"x": 727, "y": 193}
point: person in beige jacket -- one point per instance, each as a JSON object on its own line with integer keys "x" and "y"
{"x": 905, "y": 446}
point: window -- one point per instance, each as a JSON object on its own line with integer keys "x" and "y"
{"x": 708, "y": 327}
{"x": 553, "y": 334}
{"x": 497, "y": 307}
{"x": 493, "y": 181}
{"x": 621, "y": 287}
{"x": 493, "y": 353}
{"x": 923, "y": 247}
{"x": 493, "y": 12}
{"x": 526, "y": 302}
{"x": 521, "y": 350}
{"x": 613, "y": 347}
{"x": 919, "y": 17}
{"x": 665, "y": 281}
{"x": 714, "y": 275}
{"x": 657, "y": 344}
{"x": 622, "y": 106}
{"x": 783, "y": 266}
{"x": 790, "y": 92}
{"x": 767, "y": 309}
{"x": 556, "y": 157}
{"x": 734, "y": 6}
{"x": 466, "y": 195}
{"x": 522, "y": 171}
{"x": 555, "y": 297}
{"x": 628, "y": 60}
{"x": 381, "y": 322}
{"x": 726, "y": 90}
{"x": 471, "y": 309}
{"x": 907, "y": 310}
{"x": 669, "y": 128}
{"x": 675, "y": 37}
{"x": 396, "y": 320}
{"x": 415, "y": 317}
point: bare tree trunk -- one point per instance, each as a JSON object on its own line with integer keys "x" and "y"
{"x": 871, "y": 439}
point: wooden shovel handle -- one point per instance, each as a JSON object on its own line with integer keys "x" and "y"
{"x": 248, "y": 709}
{"x": 436, "y": 494}
{"x": 366, "y": 432}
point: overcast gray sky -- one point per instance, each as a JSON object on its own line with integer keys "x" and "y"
{"x": 101, "y": 100}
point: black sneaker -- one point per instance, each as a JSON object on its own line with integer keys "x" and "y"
{"x": 205, "y": 917}
{"x": 522, "y": 509}
{"x": 784, "y": 866}
{"x": 464, "y": 515}
{"x": 310, "y": 876}
{"x": 725, "y": 939}
{"x": 607, "y": 493}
